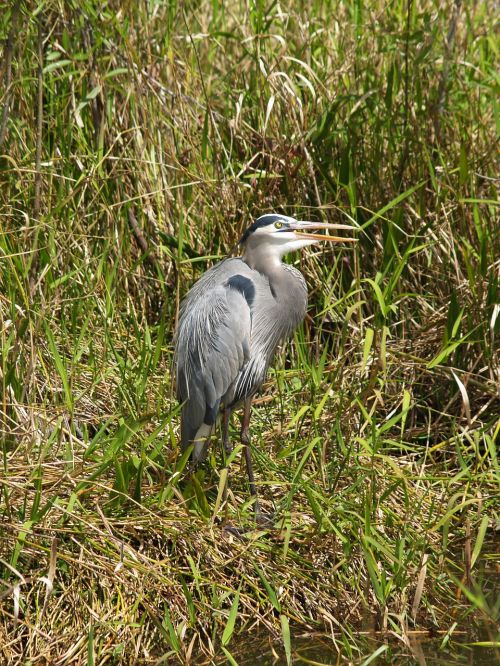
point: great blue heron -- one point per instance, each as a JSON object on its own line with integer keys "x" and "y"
{"x": 231, "y": 322}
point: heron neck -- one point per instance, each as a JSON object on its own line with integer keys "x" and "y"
{"x": 266, "y": 261}
{"x": 288, "y": 292}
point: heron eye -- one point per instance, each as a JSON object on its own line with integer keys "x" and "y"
{"x": 278, "y": 225}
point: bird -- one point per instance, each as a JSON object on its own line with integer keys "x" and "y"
{"x": 230, "y": 324}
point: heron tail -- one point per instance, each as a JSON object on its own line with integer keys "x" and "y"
{"x": 197, "y": 424}
{"x": 198, "y": 437}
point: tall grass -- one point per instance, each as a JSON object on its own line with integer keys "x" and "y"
{"x": 137, "y": 141}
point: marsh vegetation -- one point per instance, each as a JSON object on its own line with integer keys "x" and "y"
{"x": 137, "y": 141}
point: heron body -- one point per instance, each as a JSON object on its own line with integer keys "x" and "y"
{"x": 231, "y": 322}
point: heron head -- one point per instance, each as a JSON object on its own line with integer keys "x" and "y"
{"x": 280, "y": 234}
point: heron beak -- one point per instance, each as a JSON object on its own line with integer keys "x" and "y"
{"x": 302, "y": 226}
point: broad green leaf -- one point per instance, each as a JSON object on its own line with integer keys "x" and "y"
{"x": 480, "y": 539}
{"x": 285, "y": 633}
{"x": 367, "y": 345}
{"x": 269, "y": 589}
{"x": 233, "y": 614}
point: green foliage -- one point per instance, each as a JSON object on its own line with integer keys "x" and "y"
{"x": 137, "y": 141}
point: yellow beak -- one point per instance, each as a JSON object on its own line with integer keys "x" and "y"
{"x": 302, "y": 226}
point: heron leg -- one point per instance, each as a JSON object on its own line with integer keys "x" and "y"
{"x": 245, "y": 440}
{"x": 226, "y": 441}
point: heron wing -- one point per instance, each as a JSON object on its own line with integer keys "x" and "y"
{"x": 213, "y": 345}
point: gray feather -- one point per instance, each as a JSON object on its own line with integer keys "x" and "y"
{"x": 229, "y": 327}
